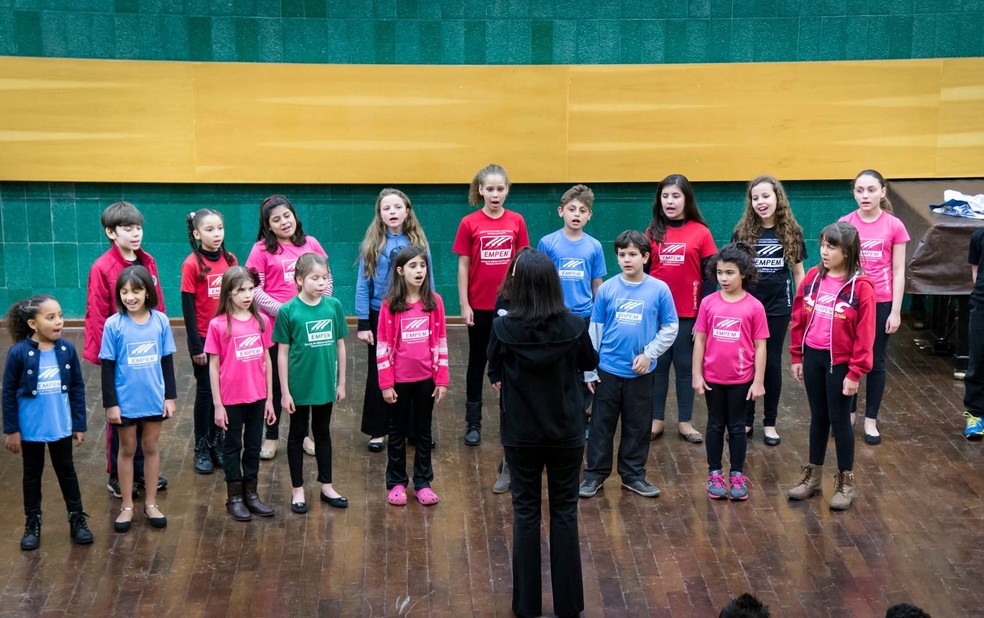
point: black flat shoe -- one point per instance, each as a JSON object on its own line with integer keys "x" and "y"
{"x": 341, "y": 502}
{"x": 123, "y": 526}
{"x": 375, "y": 447}
{"x": 770, "y": 441}
{"x": 870, "y": 439}
{"x": 298, "y": 507}
{"x": 157, "y": 522}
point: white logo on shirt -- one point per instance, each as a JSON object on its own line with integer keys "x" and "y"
{"x": 142, "y": 354}
{"x": 248, "y": 347}
{"x": 629, "y": 311}
{"x": 766, "y": 258}
{"x": 726, "y": 329}
{"x": 825, "y": 305}
{"x": 214, "y": 283}
{"x": 49, "y": 380}
{"x": 415, "y": 330}
{"x": 496, "y": 249}
{"x": 319, "y": 331}
{"x": 288, "y": 266}
{"x": 571, "y": 268}
{"x": 673, "y": 253}
{"x": 872, "y": 248}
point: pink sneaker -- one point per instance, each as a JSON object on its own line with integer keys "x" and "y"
{"x": 427, "y": 497}
{"x": 397, "y": 496}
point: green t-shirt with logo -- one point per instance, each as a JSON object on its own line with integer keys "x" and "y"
{"x": 312, "y": 334}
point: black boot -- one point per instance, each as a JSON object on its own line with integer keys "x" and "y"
{"x": 473, "y": 420}
{"x": 234, "y": 504}
{"x": 253, "y": 501}
{"x": 32, "y": 533}
{"x": 78, "y": 530}
{"x": 216, "y": 442}
{"x": 203, "y": 463}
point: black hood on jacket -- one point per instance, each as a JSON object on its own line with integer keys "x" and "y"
{"x": 542, "y": 345}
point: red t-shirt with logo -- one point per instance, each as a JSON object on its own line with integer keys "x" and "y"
{"x": 242, "y": 353}
{"x": 821, "y": 326}
{"x": 732, "y": 329}
{"x": 491, "y": 244}
{"x": 676, "y": 262}
{"x": 206, "y": 289}
{"x": 878, "y": 238}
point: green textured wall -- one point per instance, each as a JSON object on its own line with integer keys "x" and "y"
{"x": 51, "y": 233}
{"x": 492, "y": 31}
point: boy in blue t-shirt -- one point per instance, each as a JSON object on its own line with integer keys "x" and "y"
{"x": 633, "y": 323}
{"x": 974, "y": 378}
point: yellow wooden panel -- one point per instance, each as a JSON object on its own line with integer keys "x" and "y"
{"x": 961, "y": 128}
{"x": 95, "y": 120}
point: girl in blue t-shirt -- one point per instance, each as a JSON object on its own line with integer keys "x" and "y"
{"x": 138, "y": 386}
{"x": 44, "y": 403}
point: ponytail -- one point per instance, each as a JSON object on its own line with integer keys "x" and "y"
{"x": 22, "y": 311}
{"x": 474, "y": 197}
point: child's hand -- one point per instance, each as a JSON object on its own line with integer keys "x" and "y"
{"x": 269, "y": 414}
{"x": 798, "y": 372}
{"x": 700, "y": 386}
{"x": 287, "y": 403}
{"x": 755, "y": 391}
{"x": 850, "y": 387}
{"x": 79, "y": 437}
{"x": 169, "y": 408}
{"x": 200, "y": 359}
{"x": 497, "y": 386}
{"x": 389, "y": 395}
{"x": 365, "y": 336}
{"x": 113, "y": 415}
{"x": 467, "y": 315}
{"x": 221, "y": 417}
{"x": 13, "y": 442}
{"x": 439, "y": 393}
{"x": 892, "y": 325}
{"x": 340, "y": 393}
{"x": 640, "y": 364}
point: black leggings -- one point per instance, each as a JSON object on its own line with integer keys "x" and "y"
{"x": 410, "y": 416}
{"x": 478, "y": 343}
{"x": 774, "y": 346}
{"x": 375, "y": 418}
{"x": 204, "y": 408}
{"x": 681, "y": 356}
{"x": 830, "y": 409}
{"x": 726, "y": 410}
{"x": 61, "y": 460}
{"x": 241, "y": 450}
{"x": 320, "y": 416}
{"x": 877, "y": 377}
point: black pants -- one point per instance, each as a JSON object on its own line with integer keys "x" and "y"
{"x": 830, "y": 409}
{"x": 877, "y": 377}
{"x": 113, "y": 437}
{"x": 726, "y": 406}
{"x": 241, "y": 452}
{"x": 273, "y": 431}
{"x": 974, "y": 379}
{"x": 320, "y": 416}
{"x": 632, "y": 400}
{"x": 414, "y": 405}
{"x": 478, "y": 343}
{"x": 681, "y": 356}
{"x": 526, "y": 466}
{"x": 375, "y": 419}
{"x": 774, "y": 346}
{"x": 204, "y": 408}
{"x": 60, "y": 452}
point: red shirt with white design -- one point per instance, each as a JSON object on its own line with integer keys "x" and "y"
{"x": 412, "y": 345}
{"x": 276, "y": 271}
{"x": 676, "y": 262}
{"x": 819, "y": 332}
{"x": 242, "y": 353}
{"x": 205, "y": 288}
{"x": 491, "y": 244}
{"x": 878, "y": 239}
{"x": 732, "y": 328}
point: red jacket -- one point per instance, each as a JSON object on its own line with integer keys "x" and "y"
{"x": 852, "y": 337}
{"x": 100, "y": 302}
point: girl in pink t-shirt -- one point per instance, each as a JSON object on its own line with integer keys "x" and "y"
{"x": 279, "y": 242}
{"x": 412, "y": 359}
{"x": 729, "y": 365}
{"x": 883, "y": 240}
{"x": 237, "y": 341}
{"x": 485, "y": 243}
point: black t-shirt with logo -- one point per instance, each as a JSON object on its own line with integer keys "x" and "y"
{"x": 774, "y": 288}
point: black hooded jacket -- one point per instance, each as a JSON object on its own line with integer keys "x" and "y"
{"x": 540, "y": 371}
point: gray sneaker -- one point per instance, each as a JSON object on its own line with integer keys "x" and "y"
{"x": 589, "y": 488}
{"x": 642, "y": 487}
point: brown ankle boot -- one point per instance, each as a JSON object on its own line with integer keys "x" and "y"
{"x": 234, "y": 504}
{"x": 253, "y": 501}
{"x": 843, "y": 491}
{"x": 809, "y": 484}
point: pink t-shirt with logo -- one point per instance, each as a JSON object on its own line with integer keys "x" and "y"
{"x": 878, "y": 238}
{"x": 732, "y": 329}
{"x": 821, "y": 325}
{"x": 243, "y": 357}
{"x": 277, "y": 273}
{"x": 412, "y": 345}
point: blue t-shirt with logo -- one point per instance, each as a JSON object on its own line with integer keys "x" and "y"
{"x": 137, "y": 350}
{"x": 46, "y": 417}
{"x": 631, "y": 315}
{"x": 578, "y": 262}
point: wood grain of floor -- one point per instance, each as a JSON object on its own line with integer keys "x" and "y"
{"x": 915, "y": 533}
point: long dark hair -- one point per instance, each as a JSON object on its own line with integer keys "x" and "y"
{"x": 535, "y": 294}
{"x": 657, "y": 227}
{"x": 396, "y": 297}
{"x": 194, "y": 220}
{"x": 266, "y": 234}
{"x": 22, "y": 311}
{"x": 844, "y": 236}
{"x": 139, "y": 278}
{"x": 232, "y": 280}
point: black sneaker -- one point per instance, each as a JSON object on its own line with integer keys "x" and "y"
{"x": 32, "y": 533}
{"x": 113, "y": 487}
{"x": 473, "y": 436}
{"x": 589, "y": 488}
{"x": 140, "y": 484}
{"x": 203, "y": 458}
{"x": 78, "y": 530}
{"x": 643, "y": 488}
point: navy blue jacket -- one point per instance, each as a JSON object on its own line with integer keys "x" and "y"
{"x": 20, "y": 379}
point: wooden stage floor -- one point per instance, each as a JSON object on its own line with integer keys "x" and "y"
{"x": 915, "y": 533}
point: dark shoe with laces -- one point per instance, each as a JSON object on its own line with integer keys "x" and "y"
{"x": 642, "y": 487}
{"x": 216, "y": 443}
{"x": 32, "y": 533}
{"x": 140, "y": 484}
{"x": 473, "y": 436}
{"x": 589, "y": 488}
{"x": 78, "y": 529}
{"x": 203, "y": 460}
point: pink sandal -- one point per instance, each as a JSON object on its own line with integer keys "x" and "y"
{"x": 397, "y": 496}
{"x": 427, "y": 497}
